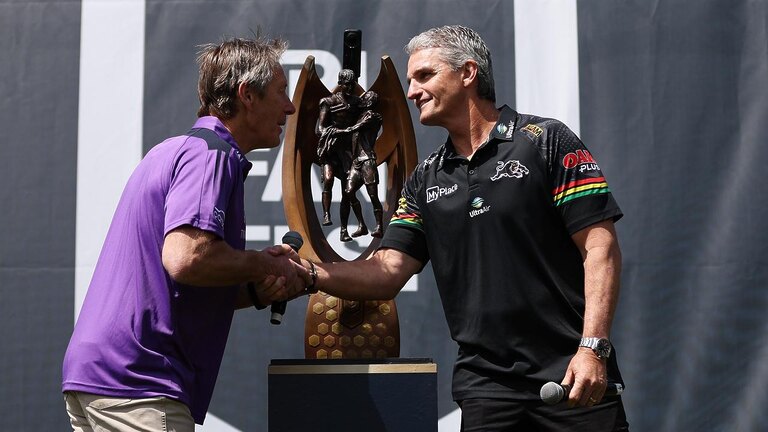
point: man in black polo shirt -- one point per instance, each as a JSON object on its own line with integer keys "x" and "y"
{"x": 517, "y": 219}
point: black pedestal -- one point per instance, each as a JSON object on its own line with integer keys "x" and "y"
{"x": 395, "y": 395}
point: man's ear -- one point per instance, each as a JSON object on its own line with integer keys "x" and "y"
{"x": 469, "y": 72}
{"x": 246, "y": 95}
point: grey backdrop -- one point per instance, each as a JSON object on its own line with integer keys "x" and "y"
{"x": 674, "y": 107}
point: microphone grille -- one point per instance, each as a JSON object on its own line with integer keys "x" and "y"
{"x": 551, "y": 393}
{"x": 293, "y": 239}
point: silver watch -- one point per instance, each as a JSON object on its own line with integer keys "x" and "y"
{"x": 601, "y": 346}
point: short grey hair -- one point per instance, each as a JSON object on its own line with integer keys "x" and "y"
{"x": 456, "y": 45}
{"x": 224, "y": 66}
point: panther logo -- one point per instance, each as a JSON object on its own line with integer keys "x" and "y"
{"x": 511, "y": 169}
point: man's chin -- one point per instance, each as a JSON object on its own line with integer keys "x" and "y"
{"x": 427, "y": 120}
{"x": 269, "y": 144}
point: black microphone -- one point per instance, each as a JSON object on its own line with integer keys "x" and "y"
{"x": 294, "y": 240}
{"x": 552, "y": 393}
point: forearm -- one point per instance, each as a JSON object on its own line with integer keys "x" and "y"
{"x": 602, "y": 270}
{"x": 601, "y": 291}
{"x": 194, "y": 257}
{"x": 378, "y": 278}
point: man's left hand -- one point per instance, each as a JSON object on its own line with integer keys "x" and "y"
{"x": 587, "y": 376}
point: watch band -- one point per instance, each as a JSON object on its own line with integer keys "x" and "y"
{"x": 601, "y": 346}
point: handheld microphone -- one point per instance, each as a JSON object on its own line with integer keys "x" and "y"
{"x": 294, "y": 240}
{"x": 552, "y": 393}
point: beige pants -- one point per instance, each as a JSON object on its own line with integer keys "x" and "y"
{"x": 95, "y": 413}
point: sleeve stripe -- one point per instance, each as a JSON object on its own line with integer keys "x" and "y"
{"x": 407, "y": 220}
{"x": 575, "y": 190}
{"x": 578, "y": 189}
{"x": 578, "y": 183}
{"x": 573, "y": 194}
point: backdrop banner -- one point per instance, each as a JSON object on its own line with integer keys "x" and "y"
{"x": 670, "y": 96}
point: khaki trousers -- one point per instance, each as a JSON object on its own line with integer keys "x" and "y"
{"x": 95, "y": 413}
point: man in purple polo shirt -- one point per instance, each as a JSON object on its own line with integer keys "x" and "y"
{"x": 148, "y": 343}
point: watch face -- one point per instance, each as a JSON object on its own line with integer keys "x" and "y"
{"x": 603, "y": 347}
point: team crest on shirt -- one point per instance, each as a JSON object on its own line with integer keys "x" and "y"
{"x": 219, "y": 216}
{"x": 511, "y": 169}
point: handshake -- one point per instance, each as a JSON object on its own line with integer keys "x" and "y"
{"x": 286, "y": 276}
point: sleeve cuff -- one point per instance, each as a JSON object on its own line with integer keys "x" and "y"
{"x": 410, "y": 241}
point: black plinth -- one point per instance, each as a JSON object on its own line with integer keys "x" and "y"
{"x": 394, "y": 395}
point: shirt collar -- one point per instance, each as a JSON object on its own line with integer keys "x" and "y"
{"x": 504, "y": 129}
{"x": 505, "y": 126}
{"x": 214, "y": 124}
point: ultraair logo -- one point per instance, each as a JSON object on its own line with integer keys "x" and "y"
{"x": 505, "y": 130}
{"x": 436, "y": 192}
{"x": 477, "y": 205}
{"x": 510, "y": 130}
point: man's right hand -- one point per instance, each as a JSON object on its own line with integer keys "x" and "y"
{"x": 281, "y": 260}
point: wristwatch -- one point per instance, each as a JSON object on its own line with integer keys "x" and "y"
{"x": 601, "y": 346}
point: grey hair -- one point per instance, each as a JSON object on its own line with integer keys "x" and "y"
{"x": 224, "y": 66}
{"x": 456, "y": 45}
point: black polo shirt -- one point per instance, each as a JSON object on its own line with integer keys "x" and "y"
{"x": 498, "y": 231}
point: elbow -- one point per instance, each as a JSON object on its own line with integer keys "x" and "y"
{"x": 390, "y": 285}
{"x": 181, "y": 269}
{"x": 615, "y": 257}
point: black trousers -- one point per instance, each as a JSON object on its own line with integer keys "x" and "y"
{"x": 500, "y": 415}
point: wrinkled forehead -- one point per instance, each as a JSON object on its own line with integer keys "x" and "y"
{"x": 425, "y": 59}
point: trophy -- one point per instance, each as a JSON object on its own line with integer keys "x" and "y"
{"x": 347, "y": 132}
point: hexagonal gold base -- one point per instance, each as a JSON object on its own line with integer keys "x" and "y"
{"x": 336, "y": 328}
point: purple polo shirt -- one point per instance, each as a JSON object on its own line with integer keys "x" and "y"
{"x": 139, "y": 333}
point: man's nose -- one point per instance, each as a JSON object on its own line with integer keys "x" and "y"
{"x": 290, "y": 108}
{"x": 413, "y": 91}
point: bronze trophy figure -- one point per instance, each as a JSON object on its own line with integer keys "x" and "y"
{"x": 345, "y": 124}
{"x": 363, "y": 170}
{"x": 337, "y": 130}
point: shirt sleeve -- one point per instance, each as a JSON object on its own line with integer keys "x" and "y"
{"x": 579, "y": 190}
{"x": 200, "y": 187}
{"x": 406, "y": 228}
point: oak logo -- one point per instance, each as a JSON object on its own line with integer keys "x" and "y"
{"x": 579, "y": 157}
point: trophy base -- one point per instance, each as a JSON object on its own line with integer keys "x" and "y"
{"x": 353, "y": 395}
{"x": 344, "y": 329}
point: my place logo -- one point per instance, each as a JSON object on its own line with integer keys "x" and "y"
{"x": 436, "y": 192}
